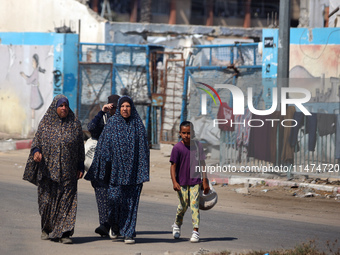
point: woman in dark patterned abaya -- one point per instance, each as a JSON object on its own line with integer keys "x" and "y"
{"x": 55, "y": 164}
{"x": 122, "y": 160}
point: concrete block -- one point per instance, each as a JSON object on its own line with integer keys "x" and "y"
{"x": 166, "y": 149}
{"x": 7, "y": 145}
{"x": 23, "y": 144}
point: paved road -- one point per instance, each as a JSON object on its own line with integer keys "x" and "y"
{"x": 20, "y": 231}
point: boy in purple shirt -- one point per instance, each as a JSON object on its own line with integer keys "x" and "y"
{"x": 186, "y": 179}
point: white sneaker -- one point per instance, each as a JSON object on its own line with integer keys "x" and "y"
{"x": 129, "y": 240}
{"x": 195, "y": 238}
{"x": 176, "y": 231}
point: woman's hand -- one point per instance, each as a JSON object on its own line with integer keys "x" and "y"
{"x": 80, "y": 174}
{"x": 37, "y": 157}
{"x": 107, "y": 107}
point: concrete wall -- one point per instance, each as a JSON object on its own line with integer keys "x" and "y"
{"x": 34, "y": 68}
{"x": 314, "y": 64}
{"x": 45, "y": 15}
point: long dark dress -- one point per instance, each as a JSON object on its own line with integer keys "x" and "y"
{"x": 61, "y": 143}
{"x": 95, "y": 127}
{"x": 122, "y": 161}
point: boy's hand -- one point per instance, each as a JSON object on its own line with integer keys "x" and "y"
{"x": 176, "y": 186}
{"x": 206, "y": 187}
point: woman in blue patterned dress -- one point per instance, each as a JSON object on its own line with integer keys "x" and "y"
{"x": 55, "y": 164}
{"x": 95, "y": 127}
{"x": 122, "y": 160}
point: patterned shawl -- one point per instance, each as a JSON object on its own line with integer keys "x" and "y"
{"x": 61, "y": 143}
{"x": 122, "y": 153}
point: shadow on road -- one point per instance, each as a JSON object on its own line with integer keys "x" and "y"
{"x": 217, "y": 239}
{"x": 140, "y": 239}
{"x": 88, "y": 239}
{"x": 170, "y": 239}
{"x": 160, "y": 240}
{"x": 153, "y": 232}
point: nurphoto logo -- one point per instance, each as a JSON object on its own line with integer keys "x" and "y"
{"x": 238, "y": 104}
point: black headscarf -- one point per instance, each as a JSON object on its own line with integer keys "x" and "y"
{"x": 113, "y": 99}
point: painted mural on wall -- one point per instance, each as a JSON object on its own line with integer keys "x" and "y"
{"x": 320, "y": 66}
{"x": 315, "y": 65}
{"x": 317, "y": 61}
{"x": 26, "y": 85}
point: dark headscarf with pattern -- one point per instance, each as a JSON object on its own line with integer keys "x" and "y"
{"x": 61, "y": 143}
{"x": 122, "y": 151}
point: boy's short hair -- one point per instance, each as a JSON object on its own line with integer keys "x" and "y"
{"x": 187, "y": 123}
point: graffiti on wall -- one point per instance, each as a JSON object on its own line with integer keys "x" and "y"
{"x": 26, "y": 85}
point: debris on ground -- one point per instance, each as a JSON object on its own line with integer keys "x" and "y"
{"x": 242, "y": 190}
{"x": 280, "y": 191}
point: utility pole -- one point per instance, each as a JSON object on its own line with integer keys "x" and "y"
{"x": 283, "y": 54}
{"x": 283, "y": 47}
{"x": 284, "y": 41}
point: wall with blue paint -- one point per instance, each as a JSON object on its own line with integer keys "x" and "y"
{"x": 34, "y": 68}
{"x": 269, "y": 64}
{"x": 70, "y": 69}
{"x": 314, "y": 64}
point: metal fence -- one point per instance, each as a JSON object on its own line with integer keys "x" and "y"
{"x": 247, "y": 149}
{"x": 167, "y": 88}
{"x": 321, "y": 162}
{"x": 106, "y": 69}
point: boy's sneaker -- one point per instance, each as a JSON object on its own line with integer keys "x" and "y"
{"x": 176, "y": 231}
{"x": 195, "y": 238}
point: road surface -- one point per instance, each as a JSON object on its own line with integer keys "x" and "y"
{"x": 221, "y": 229}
